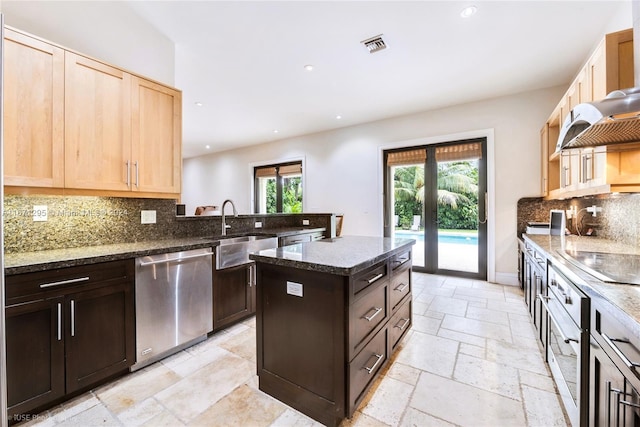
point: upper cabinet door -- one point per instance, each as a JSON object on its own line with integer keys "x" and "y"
{"x": 33, "y": 112}
{"x": 156, "y": 137}
{"x": 97, "y": 125}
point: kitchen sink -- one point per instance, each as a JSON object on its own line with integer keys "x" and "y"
{"x": 235, "y": 250}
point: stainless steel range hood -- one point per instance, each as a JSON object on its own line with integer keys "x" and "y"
{"x": 613, "y": 120}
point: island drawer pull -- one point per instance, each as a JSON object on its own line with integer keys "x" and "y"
{"x": 374, "y": 278}
{"x": 376, "y": 312}
{"x": 619, "y": 353}
{"x": 404, "y": 325}
{"x": 401, "y": 287}
{"x": 371, "y": 369}
{"x": 64, "y": 282}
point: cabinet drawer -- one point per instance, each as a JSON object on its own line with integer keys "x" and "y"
{"x": 54, "y": 281}
{"x": 371, "y": 276}
{"x": 400, "y": 324}
{"x": 364, "y": 367}
{"x": 400, "y": 284}
{"x": 400, "y": 260}
{"x": 366, "y": 315}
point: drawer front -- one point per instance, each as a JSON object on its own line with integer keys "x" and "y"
{"x": 400, "y": 284}
{"x": 399, "y": 324}
{"x": 399, "y": 260}
{"x": 364, "y": 367}
{"x": 58, "y": 281}
{"x": 366, "y": 315}
{"x": 370, "y": 277}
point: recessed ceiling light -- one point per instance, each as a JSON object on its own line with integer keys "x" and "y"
{"x": 275, "y": 131}
{"x": 468, "y": 11}
{"x": 207, "y": 146}
{"x": 338, "y": 117}
{"x": 308, "y": 67}
{"x": 199, "y": 104}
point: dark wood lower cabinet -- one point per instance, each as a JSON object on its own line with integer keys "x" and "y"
{"x": 67, "y": 330}
{"x": 234, "y": 295}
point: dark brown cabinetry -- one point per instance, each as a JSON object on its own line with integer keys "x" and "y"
{"x": 300, "y": 238}
{"x": 67, "y": 330}
{"x": 234, "y": 295}
{"x": 535, "y": 288}
{"x": 322, "y": 338}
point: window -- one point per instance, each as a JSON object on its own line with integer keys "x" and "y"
{"x": 278, "y": 188}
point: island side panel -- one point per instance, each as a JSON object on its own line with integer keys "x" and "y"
{"x": 300, "y": 322}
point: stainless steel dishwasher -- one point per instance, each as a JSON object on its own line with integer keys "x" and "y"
{"x": 173, "y": 303}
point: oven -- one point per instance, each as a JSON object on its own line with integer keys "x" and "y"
{"x": 568, "y": 342}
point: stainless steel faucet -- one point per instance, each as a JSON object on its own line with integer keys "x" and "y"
{"x": 224, "y": 222}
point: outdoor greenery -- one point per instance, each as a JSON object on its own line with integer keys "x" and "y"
{"x": 291, "y": 195}
{"x": 457, "y": 195}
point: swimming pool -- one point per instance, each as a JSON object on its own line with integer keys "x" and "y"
{"x": 443, "y": 237}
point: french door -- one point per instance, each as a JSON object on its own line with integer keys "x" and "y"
{"x": 436, "y": 195}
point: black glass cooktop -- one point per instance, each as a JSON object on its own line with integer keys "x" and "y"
{"x": 608, "y": 267}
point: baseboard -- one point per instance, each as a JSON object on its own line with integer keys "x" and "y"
{"x": 510, "y": 279}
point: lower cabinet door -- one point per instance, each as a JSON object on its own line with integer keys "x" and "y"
{"x": 364, "y": 367}
{"x": 35, "y": 355}
{"x": 400, "y": 324}
{"x": 100, "y": 338}
{"x": 233, "y": 295}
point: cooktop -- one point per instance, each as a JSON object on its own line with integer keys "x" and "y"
{"x": 608, "y": 267}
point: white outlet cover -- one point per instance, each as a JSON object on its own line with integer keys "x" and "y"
{"x": 147, "y": 217}
{"x": 258, "y": 224}
{"x": 305, "y": 222}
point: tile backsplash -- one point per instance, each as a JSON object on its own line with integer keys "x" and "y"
{"x": 619, "y": 219}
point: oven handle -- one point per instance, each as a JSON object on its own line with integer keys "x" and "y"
{"x": 542, "y": 299}
{"x": 620, "y": 354}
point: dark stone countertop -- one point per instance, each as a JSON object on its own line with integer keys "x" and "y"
{"x": 623, "y": 299}
{"x": 29, "y": 262}
{"x": 344, "y": 256}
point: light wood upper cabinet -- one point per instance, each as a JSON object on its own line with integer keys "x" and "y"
{"x": 33, "y": 112}
{"x": 81, "y": 126}
{"x": 97, "y": 125}
{"x": 156, "y": 137}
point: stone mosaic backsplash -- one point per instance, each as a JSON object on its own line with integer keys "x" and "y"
{"x": 77, "y": 221}
{"x": 619, "y": 219}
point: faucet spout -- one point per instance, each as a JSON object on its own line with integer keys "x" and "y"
{"x": 224, "y": 218}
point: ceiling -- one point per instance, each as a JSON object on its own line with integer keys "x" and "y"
{"x": 244, "y": 61}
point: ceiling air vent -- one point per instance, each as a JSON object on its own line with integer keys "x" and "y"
{"x": 374, "y": 44}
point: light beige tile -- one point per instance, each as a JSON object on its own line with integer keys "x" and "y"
{"x": 73, "y": 407}
{"x": 494, "y": 377}
{"x": 389, "y": 401}
{"x": 361, "y": 420}
{"x": 164, "y": 419}
{"x": 242, "y": 344}
{"x": 448, "y": 306}
{"x": 543, "y": 408}
{"x": 415, "y": 418}
{"x": 95, "y": 416}
{"x": 404, "y": 373}
{"x": 424, "y": 298}
{"x": 462, "y": 337}
{"x": 141, "y": 413}
{"x": 539, "y": 381}
{"x": 477, "y": 327}
{"x": 429, "y": 353}
{"x": 516, "y": 356}
{"x": 510, "y": 306}
{"x": 293, "y": 418}
{"x": 480, "y": 293}
{"x": 473, "y": 350}
{"x": 428, "y": 325}
{"x": 522, "y": 328}
{"x": 420, "y": 307}
{"x": 434, "y": 314}
{"x": 443, "y": 292}
{"x": 465, "y": 405}
{"x": 486, "y": 315}
{"x": 188, "y": 363}
{"x": 241, "y": 407}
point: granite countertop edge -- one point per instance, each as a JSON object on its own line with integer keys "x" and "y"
{"x": 357, "y": 266}
{"x": 30, "y": 262}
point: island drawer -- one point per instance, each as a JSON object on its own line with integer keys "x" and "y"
{"x": 400, "y": 284}
{"x": 365, "y": 316}
{"x": 56, "y": 281}
{"x": 365, "y": 366}
{"x": 367, "y": 278}
{"x": 400, "y": 323}
{"x": 400, "y": 260}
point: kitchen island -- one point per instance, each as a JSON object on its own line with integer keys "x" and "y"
{"x": 329, "y": 315}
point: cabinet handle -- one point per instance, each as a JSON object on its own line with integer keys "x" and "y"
{"x": 63, "y": 282}
{"x": 401, "y": 287}
{"x": 378, "y": 359}
{"x": 404, "y": 325}
{"x": 633, "y": 405}
{"x": 398, "y": 262}
{"x": 73, "y": 318}
{"x": 555, "y": 321}
{"x": 128, "y": 173}
{"x": 376, "y": 312}
{"x": 374, "y": 278}
{"x": 137, "y": 173}
{"x": 619, "y": 353}
{"x": 59, "y": 321}
{"x": 176, "y": 259}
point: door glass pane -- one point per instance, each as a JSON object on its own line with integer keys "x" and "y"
{"x": 457, "y": 191}
{"x": 408, "y": 207}
{"x": 292, "y": 194}
{"x": 266, "y": 195}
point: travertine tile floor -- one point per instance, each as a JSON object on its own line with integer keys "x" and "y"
{"x": 471, "y": 359}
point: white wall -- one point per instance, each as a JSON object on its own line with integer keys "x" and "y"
{"x": 106, "y": 30}
{"x": 343, "y": 172}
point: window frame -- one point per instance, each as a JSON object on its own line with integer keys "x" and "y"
{"x": 255, "y": 187}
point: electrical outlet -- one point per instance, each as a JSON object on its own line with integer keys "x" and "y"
{"x": 258, "y": 224}
{"x": 147, "y": 217}
{"x": 305, "y": 222}
{"x": 40, "y": 213}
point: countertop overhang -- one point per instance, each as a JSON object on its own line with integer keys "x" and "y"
{"x": 345, "y": 255}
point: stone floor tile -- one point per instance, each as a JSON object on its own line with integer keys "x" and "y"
{"x": 494, "y": 377}
{"x": 480, "y": 293}
{"x": 404, "y": 373}
{"x": 543, "y": 408}
{"x": 141, "y": 413}
{"x": 428, "y": 325}
{"x": 242, "y": 344}
{"x": 514, "y": 355}
{"x": 73, "y": 407}
{"x": 462, "y": 337}
{"x": 389, "y": 401}
{"x": 188, "y": 363}
{"x": 434, "y": 314}
{"x": 465, "y": 405}
{"x": 415, "y": 418}
{"x": 539, "y": 381}
{"x": 429, "y": 353}
{"x": 477, "y": 327}
{"x": 443, "y": 292}
{"x": 293, "y": 418}
{"x": 164, "y": 419}
{"x": 522, "y": 328}
{"x": 487, "y": 315}
{"x": 510, "y": 306}
{"x": 420, "y": 307}
{"x": 449, "y": 306}
{"x": 473, "y": 350}
{"x": 95, "y": 416}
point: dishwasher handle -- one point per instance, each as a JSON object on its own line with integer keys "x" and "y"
{"x": 175, "y": 259}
